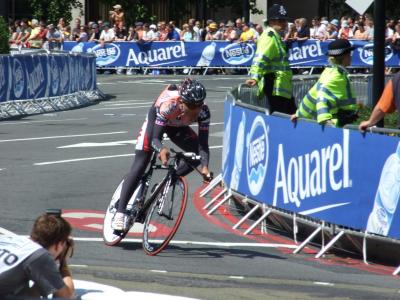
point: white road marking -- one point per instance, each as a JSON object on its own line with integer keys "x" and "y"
{"x": 219, "y": 244}
{"x": 236, "y": 277}
{"x": 80, "y": 159}
{"x": 158, "y": 271}
{"x": 63, "y": 136}
{"x": 106, "y": 83}
{"x": 93, "y": 158}
{"x": 217, "y": 134}
{"x": 42, "y": 121}
{"x": 323, "y": 283}
{"x": 122, "y": 107}
{"x": 105, "y": 144}
{"x": 81, "y": 215}
{"x": 127, "y": 102}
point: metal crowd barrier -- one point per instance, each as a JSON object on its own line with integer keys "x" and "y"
{"x": 362, "y": 85}
{"x": 52, "y": 83}
{"x": 267, "y": 217}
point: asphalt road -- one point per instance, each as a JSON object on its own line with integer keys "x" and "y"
{"x": 74, "y": 160}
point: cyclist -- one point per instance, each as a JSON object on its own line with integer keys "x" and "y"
{"x": 175, "y": 109}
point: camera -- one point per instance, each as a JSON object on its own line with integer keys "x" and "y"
{"x": 54, "y": 212}
{"x": 70, "y": 248}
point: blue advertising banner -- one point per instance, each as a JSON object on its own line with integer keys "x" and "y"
{"x": 26, "y": 77}
{"x": 332, "y": 177}
{"x": 4, "y": 77}
{"x": 313, "y": 53}
{"x": 309, "y": 53}
{"x": 167, "y": 54}
{"x": 18, "y": 86}
{"x": 37, "y": 76}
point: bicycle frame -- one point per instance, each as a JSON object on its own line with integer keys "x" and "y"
{"x": 165, "y": 182}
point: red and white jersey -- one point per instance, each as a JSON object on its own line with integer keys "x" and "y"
{"x": 170, "y": 111}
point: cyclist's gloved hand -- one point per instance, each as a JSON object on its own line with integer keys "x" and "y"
{"x": 164, "y": 156}
{"x": 207, "y": 175}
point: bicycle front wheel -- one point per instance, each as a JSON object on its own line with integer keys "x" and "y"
{"x": 164, "y": 217}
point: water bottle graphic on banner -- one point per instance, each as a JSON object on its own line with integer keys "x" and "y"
{"x": 387, "y": 196}
{"x": 240, "y": 144}
{"x": 207, "y": 56}
{"x": 78, "y": 48}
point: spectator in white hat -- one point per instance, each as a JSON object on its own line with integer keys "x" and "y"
{"x": 345, "y": 31}
{"x": 322, "y": 29}
{"x": 150, "y": 33}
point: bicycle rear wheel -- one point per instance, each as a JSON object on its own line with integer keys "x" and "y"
{"x": 164, "y": 217}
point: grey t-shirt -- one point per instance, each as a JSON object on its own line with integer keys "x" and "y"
{"x": 39, "y": 267}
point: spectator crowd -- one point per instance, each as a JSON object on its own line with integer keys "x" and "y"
{"x": 39, "y": 34}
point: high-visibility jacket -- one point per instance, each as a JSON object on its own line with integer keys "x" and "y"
{"x": 271, "y": 57}
{"x": 331, "y": 94}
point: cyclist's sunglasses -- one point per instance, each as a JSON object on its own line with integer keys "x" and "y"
{"x": 193, "y": 106}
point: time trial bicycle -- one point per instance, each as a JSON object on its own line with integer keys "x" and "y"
{"x": 161, "y": 212}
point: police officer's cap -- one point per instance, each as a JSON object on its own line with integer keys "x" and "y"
{"x": 339, "y": 47}
{"x": 277, "y": 12}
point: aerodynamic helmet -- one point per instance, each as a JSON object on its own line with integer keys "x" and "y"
{"x": 192, "y": 92}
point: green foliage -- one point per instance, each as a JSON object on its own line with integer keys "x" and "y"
{"x": 138, "y": 10}
{"x": 141, "y": 13}
{"x": 52, "y": 10}
{"x": 4, "y": 37}
{"x": 134, "y": 10}
{"x": 390, "y": 119}
{"x": 253, "y": 9}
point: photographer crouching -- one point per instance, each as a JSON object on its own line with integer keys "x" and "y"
{"x": 42, "y": 259}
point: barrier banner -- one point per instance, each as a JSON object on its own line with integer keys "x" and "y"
{"x": 4, "y": 77}
{"x": 341, "y": 177}
{"x": 36, "y": 76}
{"x": 25, "y": 77}
{"x": 311, "y": 53}
{"x": 18, "y": 88}
{"x": 167, "y": 54}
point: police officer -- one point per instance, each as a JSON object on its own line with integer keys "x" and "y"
{"x": 270, "y": 68}
{"x": 42, "y": 258}
{"x": 332, "y": 100}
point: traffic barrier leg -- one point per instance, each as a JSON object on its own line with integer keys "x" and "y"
{"x": 397, "y": 271}
{"x": 242, "y": 220}
{"x": 329, "y": 245}
{"x": 257, "y": 222}
{"x": 307, "y": 240}
{"x": 219, "y": 204}
{"x": 211, "y": 185}
{"x": 215, "y": 199}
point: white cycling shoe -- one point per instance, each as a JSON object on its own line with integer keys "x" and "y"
{"x": 120, "y": 222}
